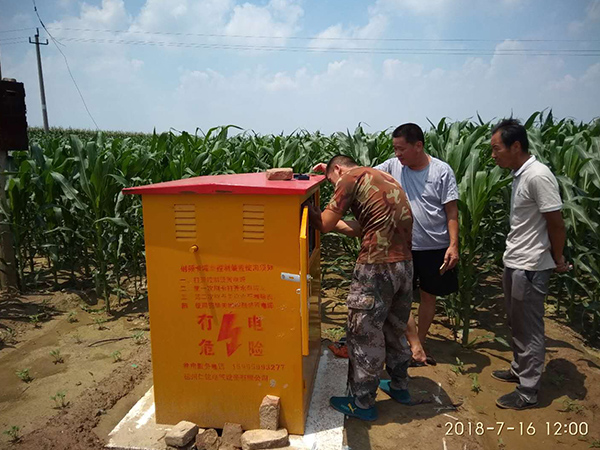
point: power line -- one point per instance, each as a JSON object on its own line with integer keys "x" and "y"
{"x": 66, "y": 63}
{"x": 318, "y": 38}
{"x": 343, "y": 50}
{"x": 363, "y": 50}
{"x": 11, "y": 39}
{"x": 17, "y": 29}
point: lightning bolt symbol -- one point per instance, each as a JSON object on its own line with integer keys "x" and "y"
{"x": 228, "y": 331}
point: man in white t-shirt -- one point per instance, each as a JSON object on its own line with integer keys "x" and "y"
{"x": 534, "y": 249}
{"x": 430, "y": 185}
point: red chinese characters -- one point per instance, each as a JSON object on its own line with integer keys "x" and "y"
{"x": 206, "y": 348}
{"x": 205, "y": 322}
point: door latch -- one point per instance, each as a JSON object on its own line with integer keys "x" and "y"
{"x": 294, "y": 277}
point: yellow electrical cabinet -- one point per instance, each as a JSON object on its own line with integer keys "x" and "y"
{"x": 233, "y": 271}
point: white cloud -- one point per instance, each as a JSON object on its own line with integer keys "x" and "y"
{"x": 592, "y": 16}
{"x": 395, "y": 69}
{"x": 420, "y": 7}
{"x": 278, "y": 18}
{"x": 111, "y": 13}
{"x": 351, "y": 90}
{"x": 338, "y": 36}
{"x": 567, "y": 83}
{"x": 281, "y": 82}
{"x": 592, "y": 75}
{"x": 593, "y": 11}
{"x": 220, "y": 17}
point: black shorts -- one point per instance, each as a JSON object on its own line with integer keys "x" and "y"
{"x": 427, "y": 276}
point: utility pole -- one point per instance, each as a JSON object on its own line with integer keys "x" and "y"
{"x": 40, "y": 75}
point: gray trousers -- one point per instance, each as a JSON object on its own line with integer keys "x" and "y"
{"x": 524, "y": 295}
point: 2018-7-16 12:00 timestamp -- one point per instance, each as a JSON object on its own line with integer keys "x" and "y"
{"x": 522, "y": 428}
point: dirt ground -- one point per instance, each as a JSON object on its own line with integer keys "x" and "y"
{"x": 452, "y": 414}
{"x": 106, "y": 368}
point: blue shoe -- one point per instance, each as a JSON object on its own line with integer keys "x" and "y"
{"x": 347, "y": 406}
{"x": 400, "y": 395}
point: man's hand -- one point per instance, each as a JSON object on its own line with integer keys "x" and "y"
{"x": 321, "y": 167}
{"x": 314, "y": 215}
{"x": 562, "y": 266}
{"x": 451, "y": 257}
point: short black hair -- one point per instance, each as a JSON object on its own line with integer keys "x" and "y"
{"x": 340, "y": 160}
{"x": 512, "y": 131}
{"x": 411, "y": 132}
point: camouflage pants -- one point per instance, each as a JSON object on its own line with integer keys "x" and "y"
{"x": 378, "y": 309}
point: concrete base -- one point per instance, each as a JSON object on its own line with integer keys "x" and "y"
{"x": 138, "y": 430}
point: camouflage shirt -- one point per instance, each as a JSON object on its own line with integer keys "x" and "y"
{"x": 382, "y": 209}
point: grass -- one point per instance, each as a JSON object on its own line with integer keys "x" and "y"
{"x": 14, "y": 433}
{"x": 459, "y": 367}
{"x": 58, "y": 359}
{"x": 475, "y": 386}
{"x": 557, "y": 379}
{"x": 572, "y": 406}
{"x": 35, "y": 320}
{"x": 77, "y": 338}
{"x": 7, "y": 336}
{"x": 99, "y": 322}
{"x": 72, "y": 317}
{"x": 116, "y": 355}
{"x": 139, "y": 337}
{"x": 59, "y": 399}
{"x": 24, "y": 375}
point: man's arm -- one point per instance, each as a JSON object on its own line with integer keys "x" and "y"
{"x": 320, "y": 167}
{"x": 385, "y": 166}
{"x": 557, "y": 235}
{"x": 325, "y": 221}
{"x": 451, "y": 257}
{"x": 350, "y": 228}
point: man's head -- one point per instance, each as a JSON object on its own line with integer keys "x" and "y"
{"x": 337, "y": 166}
{"x": 510, "y": 145}
{"x": 408, "y": 141}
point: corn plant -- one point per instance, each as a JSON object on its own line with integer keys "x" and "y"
{"x": 69, "y": 219}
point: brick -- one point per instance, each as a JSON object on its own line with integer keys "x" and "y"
{"x": 280, "y": 174}
{"x": 181, "y": 434}
{"x": 232, "y": 434}
{"x": 269, "y": 413}
{"x": 208, "y": 440}
{"x": 189, "y": 446}
{"x": 262, "y": 439}
{"x": 228, "y": 447}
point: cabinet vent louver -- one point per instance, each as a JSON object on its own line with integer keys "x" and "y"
{"x": 253, "y": 221}
{"x": 185, "y": 222}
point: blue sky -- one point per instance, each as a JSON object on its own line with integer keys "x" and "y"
{"x": 331, "y": 64}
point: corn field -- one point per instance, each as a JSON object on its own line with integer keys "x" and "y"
{"x": 71, "y": 223}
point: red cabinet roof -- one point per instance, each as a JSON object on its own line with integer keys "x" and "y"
{"x": 244, "y": 183}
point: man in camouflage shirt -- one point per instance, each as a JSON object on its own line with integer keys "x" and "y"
{"x": 380, "y": 294}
